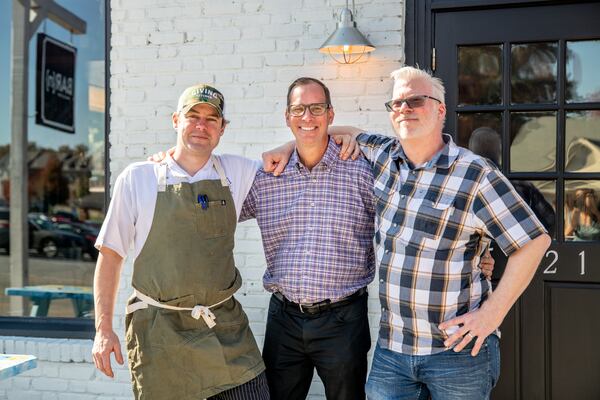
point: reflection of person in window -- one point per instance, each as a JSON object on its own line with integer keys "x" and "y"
{"x": 486, "y": 142}
{"x": 584, "y": 221}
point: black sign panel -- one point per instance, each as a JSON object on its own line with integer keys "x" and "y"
{"x": 55, "y": 84}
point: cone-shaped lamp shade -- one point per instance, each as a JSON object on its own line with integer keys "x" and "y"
{"x": 346, "y": 40}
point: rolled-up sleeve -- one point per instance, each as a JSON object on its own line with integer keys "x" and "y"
{"x": 118, "y": 228}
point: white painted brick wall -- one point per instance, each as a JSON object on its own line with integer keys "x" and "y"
{"x": 251, "y": 50}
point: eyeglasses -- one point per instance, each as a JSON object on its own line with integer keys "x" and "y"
{"x": 411, "y": 102}
{"x": 316, "y": 109}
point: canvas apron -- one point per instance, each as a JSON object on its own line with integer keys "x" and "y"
{"x": 187, "y": 337}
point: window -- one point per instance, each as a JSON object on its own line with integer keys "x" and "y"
{"x": 63, "y": 152}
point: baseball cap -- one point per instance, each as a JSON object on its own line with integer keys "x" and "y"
{"x": 201, "y": 94}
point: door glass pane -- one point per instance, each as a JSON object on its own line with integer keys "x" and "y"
{"x": 583, "y": 80}
{"x": 582, "y": 213}
{"x": 480, "y": 74}
{"x": 541, "y": 197}
{"x": 480, "y": 133}
{"x": 66, "y": 167}
{"x": 582, "y": 143}
{"x": 533, "y": 69}
{"x": 533, "y": 141}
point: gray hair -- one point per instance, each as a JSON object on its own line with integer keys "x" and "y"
{"x": 411, "y": 73}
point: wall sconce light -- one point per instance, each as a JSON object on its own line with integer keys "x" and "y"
{"x": 347, "y": 40}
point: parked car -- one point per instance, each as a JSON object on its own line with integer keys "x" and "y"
{"x": 49, "y": 241}
{"x": 88, "y": 233}
{"x": 45, "y": 238}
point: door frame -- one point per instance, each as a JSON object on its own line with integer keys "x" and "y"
{"x": 419, "y": 22}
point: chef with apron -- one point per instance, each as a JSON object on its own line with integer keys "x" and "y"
{"x": 187, "y": 336}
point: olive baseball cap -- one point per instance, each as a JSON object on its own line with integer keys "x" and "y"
{"x": 201, "y": 94}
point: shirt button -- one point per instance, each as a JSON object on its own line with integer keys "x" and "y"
{"x": 381, "y": 281}
{"x": 307, "y": 252}
{"x": 312, "y": 204}
{"x": 386, "y": 251}
{"x": 314, "y": 179}
{"x": 413, "y": 172}
{"x": 402, "y": 196}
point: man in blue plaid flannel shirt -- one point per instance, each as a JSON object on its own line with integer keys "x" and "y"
{"x": 437, "y": 206}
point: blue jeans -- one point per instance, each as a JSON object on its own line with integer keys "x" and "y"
{"x": 443, "y": 376}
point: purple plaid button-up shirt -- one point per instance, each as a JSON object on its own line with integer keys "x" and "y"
{"x": 317, "y": 227}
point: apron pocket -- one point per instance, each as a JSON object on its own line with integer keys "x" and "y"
{"x": 190, "y": 360}
{"x": 212, "y": 221}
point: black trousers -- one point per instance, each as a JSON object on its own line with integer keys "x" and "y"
{"x": 334, "y": 342}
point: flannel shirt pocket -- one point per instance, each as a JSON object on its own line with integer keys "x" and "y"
{"x": 432, "y": 222}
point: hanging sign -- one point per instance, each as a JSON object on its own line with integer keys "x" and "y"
{"x": 55, "y": 84}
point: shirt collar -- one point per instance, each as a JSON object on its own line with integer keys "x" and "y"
{"x": 442, "y": 159}
{"x": 178, "y": 172}
{"x": 328, "y": 161}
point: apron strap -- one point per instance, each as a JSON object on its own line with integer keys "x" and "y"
{"x": 220, "y": 171}
{"x": 197, "y": 311}
{"x": 162, "y": 177}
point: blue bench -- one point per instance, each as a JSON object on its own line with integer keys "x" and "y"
{"x": 42, "y": 295}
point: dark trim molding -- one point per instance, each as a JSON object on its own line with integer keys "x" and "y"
{"x": 67, "y": 328}
{"x": 479, "y": 4}
{"x": 420, "y": 14}
{"x": 107, "y": 49}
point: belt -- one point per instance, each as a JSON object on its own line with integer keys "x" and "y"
{"x": 316, "y": 308}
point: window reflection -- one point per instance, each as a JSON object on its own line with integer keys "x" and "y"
{"x": 533, "y": 141}
{"x": 539, "y": 195}
{"x": 468, "y": 123}
{"x": 582, "y": 210}
{"x": 480, "y": 74}
{"x": 541, "y": 198}
{"x": 583, "y": 58}
{"x": 65, "y": 188}
{"x": 582, "y": 141}
{"x": 533, "y": 72}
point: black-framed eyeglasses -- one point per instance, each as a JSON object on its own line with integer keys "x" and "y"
{"x": 316, "y": 109}
{"x": 411, "y": 102}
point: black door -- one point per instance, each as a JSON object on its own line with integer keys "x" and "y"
{"x": 523, "y": 89}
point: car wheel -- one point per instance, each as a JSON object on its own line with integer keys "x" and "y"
{"x": 49, "y": 248}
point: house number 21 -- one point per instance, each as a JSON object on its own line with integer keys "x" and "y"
{"x": 553, "y": 256}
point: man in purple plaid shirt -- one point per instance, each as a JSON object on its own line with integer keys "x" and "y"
{"x": 317, "y": 224}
